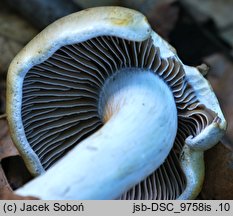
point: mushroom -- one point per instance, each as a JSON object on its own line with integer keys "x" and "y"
{"x": 101, "y": 107}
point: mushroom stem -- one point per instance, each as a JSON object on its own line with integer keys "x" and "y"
{"x": 141, "y": 124}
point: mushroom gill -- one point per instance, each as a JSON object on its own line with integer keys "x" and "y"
{"x": 60, "y": 104}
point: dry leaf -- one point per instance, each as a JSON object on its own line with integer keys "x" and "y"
{"x": 14, "y": 34}
{"x": 218, "y": 182}
{"x": 4, "y": 185}
{"x": 163, "y": 17}
{"x": 7, "y": 147}
{"x": 13, "y": 173}
{"x": 9, "y": 195}
{"x": 221, "y": 79}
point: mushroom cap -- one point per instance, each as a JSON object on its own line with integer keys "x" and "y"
{"x": 123, "y": 37}
{"x": 78, "y": 27}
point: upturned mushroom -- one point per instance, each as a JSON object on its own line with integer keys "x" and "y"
{"x": 101, "y": 107}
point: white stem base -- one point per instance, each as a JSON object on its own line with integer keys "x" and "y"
{"x": 140, "y": 128}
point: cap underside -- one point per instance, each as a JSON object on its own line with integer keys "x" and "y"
{"x": 60, "y": 104}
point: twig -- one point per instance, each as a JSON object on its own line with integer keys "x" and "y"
{"x": 3, "y": 116}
